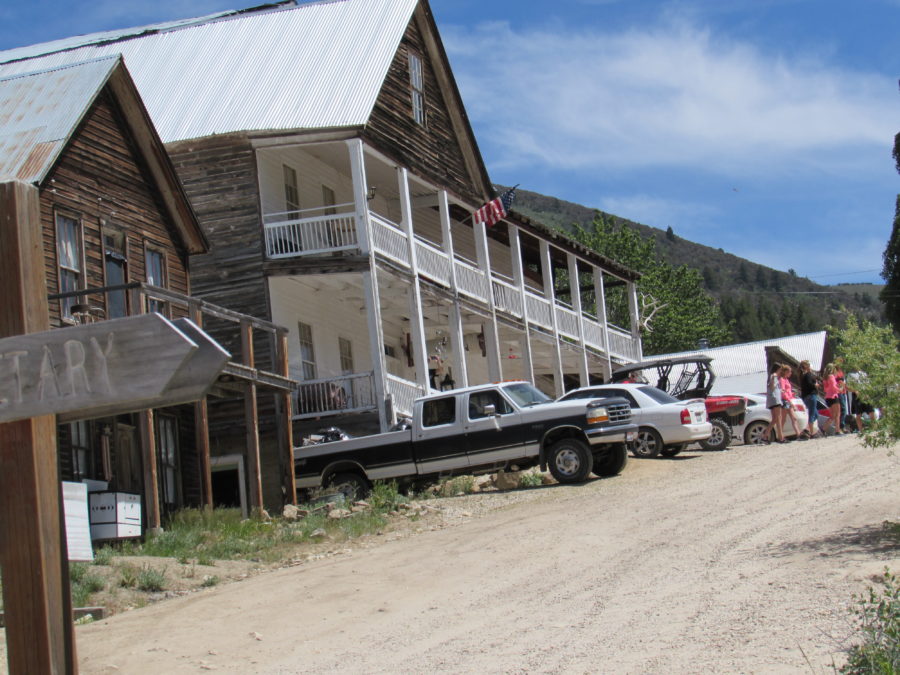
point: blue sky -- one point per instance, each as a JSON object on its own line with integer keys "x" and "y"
{"x": 762, "y": 127}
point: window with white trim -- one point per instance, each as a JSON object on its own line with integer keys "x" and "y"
{"x": 307, "y": 353}
{"x": 291, "y": 192}
{"x": 417, "y": 88}
{"x": 71, "y": 266}
{"x": 345, "y": 347}
{"x": 155, "y": 273}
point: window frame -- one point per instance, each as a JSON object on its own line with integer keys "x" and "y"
{"x": 114, "y": 252}
{"x": 62, "y": 270}
{"x": 151, "y": 248}
{"x": 307, "y": 348}
{"x": 416, "y": 69}
{"x": 291, "y": 184}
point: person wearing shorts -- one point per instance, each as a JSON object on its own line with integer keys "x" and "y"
{"x": 809, "y": 392}
{"x": 773, "y": 403}
{"x": 832, "y": 390}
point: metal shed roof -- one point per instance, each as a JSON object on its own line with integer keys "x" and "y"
{"x": 40, "y": 110}
{"x": 317, "y": 65}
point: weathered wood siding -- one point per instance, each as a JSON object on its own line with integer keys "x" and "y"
{"x": 99, "y": 179}
{"x": 431, "y": 150}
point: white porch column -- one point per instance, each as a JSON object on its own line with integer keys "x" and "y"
{"x": 369, "y": 279}
{"x": 600, "y": 293}
{"x": 491, "y": 335}
{"x": 550, "y": 294}
{"x": 575, "y": 294}
{"x": 457, "y": 344}
{"x": 515, "y": 250}
{"x": 416, "y": 320}
{"x": 635, "y": 319}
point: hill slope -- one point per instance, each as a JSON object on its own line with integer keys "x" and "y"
{"x": 758, "y": 302}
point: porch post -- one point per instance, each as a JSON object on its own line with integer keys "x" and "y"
{"x": 369, "y": 278}
{"x": 575, "y": 293}
{"x": 457, "y": 339}
{"x": 251, "y": 420}
{"x": 491, "y": 336}
{"x": 201, "y": 429}
{"x": 635, "y": 319}
{"x": 287, "y": 429}
{"x": 550, "y": 294}
{"x": 600, "y": 293}
{"x": 33, "y": 553}
{"x": 515, "y": 249}
{"x": 416, "y": 320}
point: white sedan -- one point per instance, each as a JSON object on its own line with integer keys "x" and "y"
{"x": 757, "y": 418}
{"x": 665, "y": 424}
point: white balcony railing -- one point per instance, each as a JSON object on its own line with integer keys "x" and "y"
{"x": 471, "y": 280}
{"x": 433, "y": 262}
{"x": 566, "y": 320}
{"x": 507, "y": 297}
{"x": 290, "y": 237}
{"x": 539, "y": 312}
{"x": 335, "y": 395}
{"x": 404, "y": 393}
{"x": 389, "y": 240}
{"x": 622, "y": 344}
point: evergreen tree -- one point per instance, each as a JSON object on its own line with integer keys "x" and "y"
{"x": 688, "y": 312}
{"x": 670, "y": 233}
{"x": 890, "y": 294}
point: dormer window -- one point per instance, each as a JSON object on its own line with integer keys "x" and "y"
{"x": 417, "y": 88}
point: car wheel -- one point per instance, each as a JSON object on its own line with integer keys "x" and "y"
{"x": 351, "y": 485}
{"x": 570, "y": 460}
{"x": 720, "y": 436}
{"x": 647, "y": 444}
{"x": 611, "y": 462}
{"x": 755, "y": 433}
{"x": 672, "y": 450}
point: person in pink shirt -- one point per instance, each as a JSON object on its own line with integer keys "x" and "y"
{"x": 787, "y": 397}
{"x": 832, "y": 399}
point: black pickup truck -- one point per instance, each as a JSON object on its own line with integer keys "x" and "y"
{"x": 477, "y": 430}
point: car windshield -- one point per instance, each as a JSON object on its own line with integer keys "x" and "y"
{"x": 525, "y": 395}
{"x": 657, "y": 395}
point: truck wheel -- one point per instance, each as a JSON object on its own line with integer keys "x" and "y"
{"x": 720, "y": 436}
{"x": 672, "y": 450}
{"x": 647, "y": 444}
{"x": 351, "y": 485}
{"x": 570, "y": 460}
{"x": 611, "y": 462}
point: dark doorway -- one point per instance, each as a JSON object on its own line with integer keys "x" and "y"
{"x": 226, "y": 488}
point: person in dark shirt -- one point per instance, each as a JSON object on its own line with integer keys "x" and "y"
{"x": 809, "y": 390}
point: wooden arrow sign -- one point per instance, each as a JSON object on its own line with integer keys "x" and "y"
{"x": 103, "y": 368}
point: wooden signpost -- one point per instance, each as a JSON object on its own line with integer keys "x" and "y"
{"x": 93, "y": 370}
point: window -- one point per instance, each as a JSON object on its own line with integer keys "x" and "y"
{"x": 345, "y": 347}
{"x": 291, "y": 192}
{"x": 439, "y": 411}
{"x": 155, "y": 266}
{"x": 167, "y": 444}
{"x": 417, "y": 88}
{"x": 115, "y": 270}
{"x": 82, "y": 452}
{"x": 479, "y": 401}
{"x": 307, "y": 353}
{"x": 328, "y": 200}
{"x": 68, "y": 245}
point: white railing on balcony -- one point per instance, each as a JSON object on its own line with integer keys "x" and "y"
{"x": 539, "y": 312}
{"x": 470, "y": 280}
{"x": 389, "y": 240}
{"x": 622, "y": 344}
{"x": 287, "y": 235}
{"x": 566, "y": 320}
{"x": 433, "y": 262}
{"x": 593, "y": 332}
{"x": 404, "y": 393}
{"x": 335, "y": 395}
{"x": 507, "y": 297}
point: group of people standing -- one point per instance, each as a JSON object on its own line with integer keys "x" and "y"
{"x": 833, "y": 386}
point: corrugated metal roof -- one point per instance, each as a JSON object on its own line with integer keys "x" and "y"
{"x": 317, "y": 65}
{"x": 40, "y": 110}
{"x": 750, "y": 357}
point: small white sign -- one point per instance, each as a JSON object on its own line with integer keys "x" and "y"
{"x": 78, "y": 528}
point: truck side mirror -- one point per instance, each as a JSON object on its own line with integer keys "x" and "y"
{"x": 490, "y": 409}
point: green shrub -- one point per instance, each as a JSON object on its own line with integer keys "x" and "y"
{"x": 104, "y": 555}
{"x": 210, "y": 581}
{"x": 878, "y": 615}
{"x": 453, "y": 486}
{"x": 128, "y": 575}
{"x": 84, "y": 583}
{"x": 531, "y": 479}
{"x": 385, "y": 496}
{"x": 151, "y": 580}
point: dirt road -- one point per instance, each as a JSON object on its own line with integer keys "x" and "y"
{"x": 742, "y": 561}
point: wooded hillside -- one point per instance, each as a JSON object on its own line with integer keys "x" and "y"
{"x": 756, "y": 301}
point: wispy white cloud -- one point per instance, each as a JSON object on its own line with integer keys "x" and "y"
{"x": 672, "y": 95}
{"x": 661, "y": 212}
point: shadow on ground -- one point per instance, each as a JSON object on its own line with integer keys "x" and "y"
{"x": 880, "y": 539}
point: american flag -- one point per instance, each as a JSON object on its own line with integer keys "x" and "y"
{"x": 495, "y": 210}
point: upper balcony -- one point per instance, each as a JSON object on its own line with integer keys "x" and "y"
{"x": 312, "y": 233}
